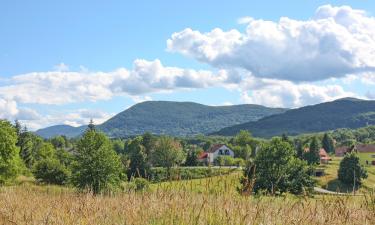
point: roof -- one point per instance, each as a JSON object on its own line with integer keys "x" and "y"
{"x": 203, "y": 155}
{"x": 365, "y": 148}
{"x": 215, "y": 147}
{"x": 323, "y": 153}
{"x": 342, "y": 149}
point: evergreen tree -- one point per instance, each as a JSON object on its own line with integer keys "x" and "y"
{"x": 97, "y": 167}
{"x": 312, "y": 155}
{"x": 327, "y": 143}
{"x": 192, "y": 158}
{"x": 91, "y": 125}
{"x": 299, "y": 149}
{"x": 26, "y": 148}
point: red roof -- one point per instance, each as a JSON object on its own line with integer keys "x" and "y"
{"x": 203, "y": 155}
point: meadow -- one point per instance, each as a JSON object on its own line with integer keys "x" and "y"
{"x": 211, "y": 200}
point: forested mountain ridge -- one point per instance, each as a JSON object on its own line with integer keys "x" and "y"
{"x": 172, "y": 118}
{"x": 342, "y": 113}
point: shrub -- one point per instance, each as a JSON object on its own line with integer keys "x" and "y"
{"x": 51, "y": 171}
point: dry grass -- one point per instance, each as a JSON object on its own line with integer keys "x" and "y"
{"x": 178, "y": 204}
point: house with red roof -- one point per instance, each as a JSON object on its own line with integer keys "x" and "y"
{"x": 323, "y": 155}
{"x": 215, "y": 151}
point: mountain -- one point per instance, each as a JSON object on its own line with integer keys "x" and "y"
{"x": 66, "y": 130}
{"x": 171, "y": 118}
{"x": 342, "y": 113}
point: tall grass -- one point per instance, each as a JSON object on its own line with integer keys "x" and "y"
{"x": 206, "y": 201}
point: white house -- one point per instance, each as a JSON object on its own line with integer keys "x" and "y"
{"x": 214, "y": 152}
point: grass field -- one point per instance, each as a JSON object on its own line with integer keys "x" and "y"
{"x": 202, "y": 201}
{"x": 330, "y": 181}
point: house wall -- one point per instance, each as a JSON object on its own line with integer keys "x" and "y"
{"x": 214, "y": 155}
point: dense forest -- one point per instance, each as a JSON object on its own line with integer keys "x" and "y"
{"x": 170, "y": 118}
{"x": 342, "y": 113}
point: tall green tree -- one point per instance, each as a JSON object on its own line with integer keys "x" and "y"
{"x": 97, "y": 167}
{"x": 167, "y": 153}
{"x": 10, "y": 163}
{"x": 328, "y": 144}
{"x": 192, "y": 157}
{"x": 312, "y": 155}
{"x": 351, "y": 171}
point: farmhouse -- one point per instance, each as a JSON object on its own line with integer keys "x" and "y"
{"x": 323, "y": 155}
{"x": 214, "y": 152}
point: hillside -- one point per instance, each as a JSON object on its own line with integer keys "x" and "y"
{"x": 172, "y": 118}
{"x": 66, "y": 130}
{"x": 342, "y": 113}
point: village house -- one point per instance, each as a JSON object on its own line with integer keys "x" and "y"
{"x": 323, "y": 155}
{"x": 215, "y": 151}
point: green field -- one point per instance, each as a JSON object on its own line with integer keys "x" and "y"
{"x": 330, "y": 181}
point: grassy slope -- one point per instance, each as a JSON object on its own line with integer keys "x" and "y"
{"x": 330, "y": 181}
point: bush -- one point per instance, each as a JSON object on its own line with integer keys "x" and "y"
{"x": 136, "y": 184}
{"x": 51, "y": 171}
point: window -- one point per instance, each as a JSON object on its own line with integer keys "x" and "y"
{"x": 221, "y": 152}
{"x": 227, "y": 152}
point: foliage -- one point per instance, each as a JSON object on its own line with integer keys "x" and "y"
{"x": 97, "y": 166}
{"x": 139, "y": 165}
{"x": 192, "y": 157}
{"x": 10, "y": 163}
{"x": 51, "y": 171}
{"x": 312, "y": 154}
{"x": 350, "y": 170}
{"x": 275, "y": 169}
{"x": 167, "y": 153}
{"x": 350, "y": 113}
{"x": 328, "y": 144}
{"x": 159, "y": 174}
{"x": 170, "y": 118}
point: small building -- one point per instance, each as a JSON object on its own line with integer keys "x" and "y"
{"x": 215, "y": 151}
{"x": 324, "y": 157}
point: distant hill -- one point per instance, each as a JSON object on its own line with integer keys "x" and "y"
{"x": 342, "y": 113}
{"x": 66, "y": 130}
{"x": 171, "y": 118}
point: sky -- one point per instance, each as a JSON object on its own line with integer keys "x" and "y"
{"x": 66, "y": 62}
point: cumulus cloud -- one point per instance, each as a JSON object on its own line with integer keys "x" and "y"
{"x": 9, "y": 110}
{"x": 276, "y": 93}
{"x": 60, "y": 87}
{"x": 74, "y": 118}
{"x": 335, "y": 42}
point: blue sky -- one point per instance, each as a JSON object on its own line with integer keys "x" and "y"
{"x": 44, "y": 44}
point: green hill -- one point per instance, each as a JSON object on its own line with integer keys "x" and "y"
{"x": 66, "y": 130}
{"x": 176, "y": 119}
{"x": 342, "y": 113}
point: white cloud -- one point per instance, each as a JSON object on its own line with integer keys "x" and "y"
{"x": 9, "y": 110}
{"x": 75, "y": 118}
{"x": 276, "y": 93}
{"x": 337, "y": 41}
{"x": 60, "y": 87}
